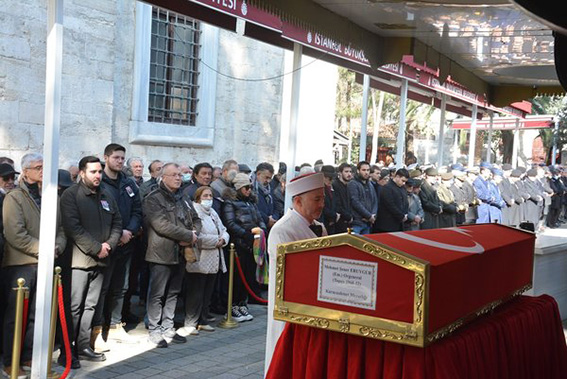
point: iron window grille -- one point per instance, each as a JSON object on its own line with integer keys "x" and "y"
{"x": 174, "y": 64}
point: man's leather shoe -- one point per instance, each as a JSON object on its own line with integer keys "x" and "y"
{"x": 89, "y": 354}
{"x": 75, "y": 364}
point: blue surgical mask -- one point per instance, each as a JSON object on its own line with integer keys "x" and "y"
{"x": 186, "y": 178}
{"x": 207, "y": 204}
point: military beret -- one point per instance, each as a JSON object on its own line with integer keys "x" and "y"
{"x": 446, "y": 175}
{"x": 516, "y": 173}
{"x": 497, "y": 172}
{"x": 431, "y": 171}
{"x": 506, "y": 167}
{"x": 532, "y": 172}
{"x": 415, "y": 173}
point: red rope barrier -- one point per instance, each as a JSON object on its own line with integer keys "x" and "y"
{"x": 25, "y": 319}
{"x": 256, "y": 297}
{"x": 64, "y": 331}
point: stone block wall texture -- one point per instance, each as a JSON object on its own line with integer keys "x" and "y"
{"x": 97, "y": 87}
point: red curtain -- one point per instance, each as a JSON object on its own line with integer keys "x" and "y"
{"x": 521, "y": 339}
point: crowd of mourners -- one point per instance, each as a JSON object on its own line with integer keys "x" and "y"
{"x": 165, "y": 240}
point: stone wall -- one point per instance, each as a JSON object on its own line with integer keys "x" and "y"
{"x": 97, "y": 87}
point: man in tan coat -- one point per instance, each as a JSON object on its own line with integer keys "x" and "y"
{"x": 21, "y": 214}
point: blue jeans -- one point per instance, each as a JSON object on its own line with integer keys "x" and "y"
{"x": 359, "y": 229}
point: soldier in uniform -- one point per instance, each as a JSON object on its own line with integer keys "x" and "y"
{"x": 515, "y": 214}
{"x": 505, "y": 188}
{"x": 534, "y": 207}
{"x": 448, "y": 218}
{"x": 498, "y": 204}
{"x": 459, "y": 193}
{"x": 471, "y": 214}
{"x": 430, "y": 200}
{"x": 485, "y": 195}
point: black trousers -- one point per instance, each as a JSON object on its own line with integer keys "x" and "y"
{"x": 85, "y": 293}
{"x": 12, "y": 274}
{"x": 116, "y": 277}
{"x": 198, "y": 291}
{"x": 240, "y": 294}
{"x": 166, "y": 282}
{"x": 139, "y": 275}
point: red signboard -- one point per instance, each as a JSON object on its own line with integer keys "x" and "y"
{"x": 241, "y": 9}
{"x": 323, "y": 43}
{"x": 507, "y": 123}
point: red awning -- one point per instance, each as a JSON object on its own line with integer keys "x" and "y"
{"x": 508, "y": 123}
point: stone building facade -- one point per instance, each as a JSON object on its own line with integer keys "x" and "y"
{"x": 106, "y": 63}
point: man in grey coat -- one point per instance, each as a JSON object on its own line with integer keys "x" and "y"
{"x": 172, "y": 225}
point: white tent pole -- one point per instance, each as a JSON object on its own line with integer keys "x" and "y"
{"x": 516, "y": 144}
{"x": 402, "y": 129}
{"x": 472, "y": 141}
{"x": 294, "y": 112}
{"x": 441, "y": 140}
{"x": 555, "y": 138}
{"x": 364, "y": 121}
{"x": 456, "y": 151}
{"x": 490, "y": 129}
{"x": 48, "y": 224}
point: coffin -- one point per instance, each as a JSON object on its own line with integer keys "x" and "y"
{"x": 407, "y": 287}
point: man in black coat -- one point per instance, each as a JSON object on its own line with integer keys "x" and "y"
{"x": 342, "y": 197}
{"x": 393, "y": 210}
{"x": 329, "y": 216}
{"x": 117, "y": 272}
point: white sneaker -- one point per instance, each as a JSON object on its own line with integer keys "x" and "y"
{"x": 118, "y": 334}
{"x": 206, "y": 328}
{"x": 236, "y": 315}
{"x": 187, "y": 330}
{"x": 244, "y": 310}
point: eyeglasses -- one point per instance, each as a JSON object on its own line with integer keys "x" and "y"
{"x": 247, "y": 187}
{"x": 174, "y": 175}
{"x": 8, "y": 177}
{"x": 36, "y": 168}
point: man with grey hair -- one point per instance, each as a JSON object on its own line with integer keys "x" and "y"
{"x": 21, "y": 215}
{"x": 135, "y": 169}
{"x": 229, "y": 171}
{"x": 172, "y": 225}
{"x": 148, "y": 186}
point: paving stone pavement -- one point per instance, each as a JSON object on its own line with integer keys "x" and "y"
{"x": 222, "y": 354}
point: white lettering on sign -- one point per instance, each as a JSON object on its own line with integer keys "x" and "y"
{"x": 347, "y": 282}
{"x": 230, "y": 4}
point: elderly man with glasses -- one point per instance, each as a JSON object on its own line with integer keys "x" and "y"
{"x": 172, "y": 225}
{"x": 21, "y": 216}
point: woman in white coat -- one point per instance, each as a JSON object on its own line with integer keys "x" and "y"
{"x": 201, "y": 274}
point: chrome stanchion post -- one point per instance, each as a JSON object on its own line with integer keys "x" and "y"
{"x": 228, "y": 322}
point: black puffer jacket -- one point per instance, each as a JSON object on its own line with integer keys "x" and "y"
{"x": 240, "y": 215}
